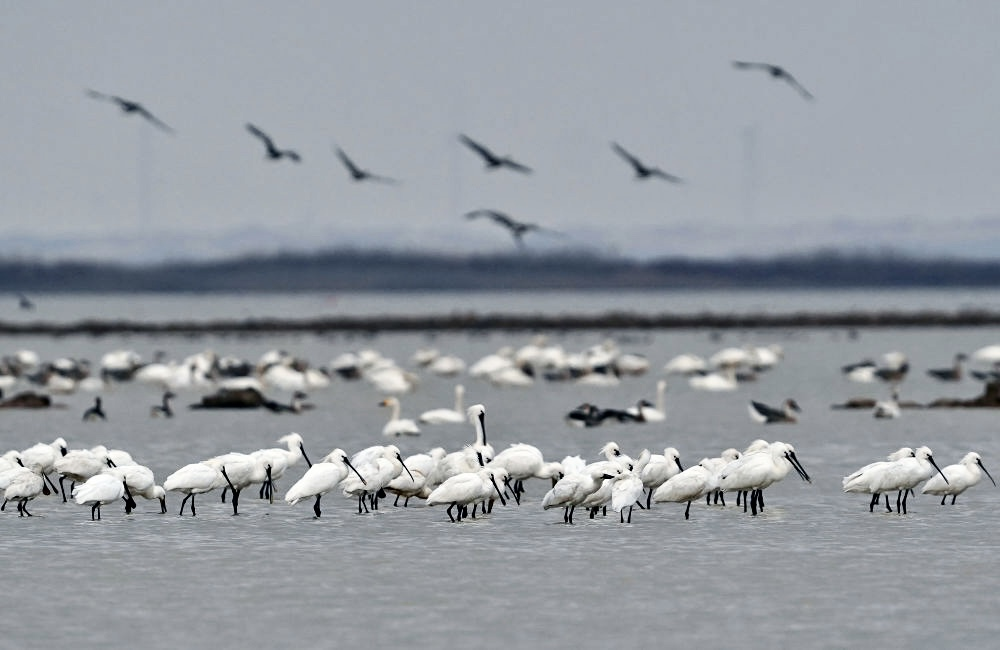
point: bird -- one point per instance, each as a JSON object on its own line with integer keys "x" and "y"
{"x": 397, "y": 426}
{"x": 273, "y": 152}
{"x": 659, "y": 469}
{"x": 764, "y": 414}
{"x": 95, "y": 412}
{"x": 896, "y": 475}
{"x": 22, "y": 485}
{"x": 163, "y": 409}
{"x": 523, "y": 461}
{"x": 279, "y": 459}
{"x": 373, "y": 476}
{"x": 321, "y": 478}
{"x": 642, "y": 171}
{"x": 693, "y": 483}
{"x": 103, "y": 489}
{"x": 447, "y": 415}
{"x": 359, "y": 174}
{"x": 949, "y": 374}
{"x": 887, "y": 409}
{"x": 192, "y": 479}
{"x": 140, "y": 482}
{"x": 240, "y": 471}
{"x": 571, "y": 490}
{"x": 25, "y": 303}
{"x": 646, "y": 411}
{"x": 465, "y": 488}
{"x": 296, "y": 404}
{"x": 128, "y": 106}
{"x": 776, "y": 72}
{"x": 956, "y": 479}
{"x": 516, "y": 228}
{"x": 902, "y": 452}
{"x": 755, "y": 471}
{"x": 492, "y": 160}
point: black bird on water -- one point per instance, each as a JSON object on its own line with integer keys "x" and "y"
{"x": 128, "y": 106}
{"x": 359, "y": 174}
{"x": 516, "y": 228}
{"x": 492, "y": 160}
{"x": 163, "y": 409}
{"x": 949, "y": 374}
{"x": 643, "y": 171}
{"x": 776, "y": 72}
{"x": 95, "y": 412}
{"x": 273, "y": 152}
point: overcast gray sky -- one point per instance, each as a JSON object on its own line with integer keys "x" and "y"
{"x": 900, "y": 147}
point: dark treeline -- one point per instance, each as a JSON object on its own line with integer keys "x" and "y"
{"x": 357, "y": 270}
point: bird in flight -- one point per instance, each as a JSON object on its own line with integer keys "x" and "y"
{"x": 643, "y": 171}
{"x": 359, "y": 174}
{"x": 492, "y": 160}
{"x": 128, "y": 106}
{"x": 516, "y": 228}
{"x": 776, "y": 72}
{"x": 273, "y": 152}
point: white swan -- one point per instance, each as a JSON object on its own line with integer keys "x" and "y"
{"x": 447, "y": 415}
{"x": 397, "y": 426}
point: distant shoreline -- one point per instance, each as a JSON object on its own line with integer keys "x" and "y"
{"x": 515, "y": 322}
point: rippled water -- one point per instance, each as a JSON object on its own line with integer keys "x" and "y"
{"x": 815, "y": 570}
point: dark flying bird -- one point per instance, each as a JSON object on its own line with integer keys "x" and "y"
{"x": 129, "y": 106}
{"x": 24, "y": 302}
{"x": 643, "y": 172}
{"x": 776, "y": 72}
{"x": 516, "y": 228}
{"x": 493, "y": 161}
{"x": 359, "y": 174}
{"x": 273, "y": 152}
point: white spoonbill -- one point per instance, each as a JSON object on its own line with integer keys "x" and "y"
{"x": 416, "y": 484}
{"x": 628, "y": 487}
{"x": 861, "y": 486}
{"x": 321, "y": 478}
{"x": 41, "y": 458}
{"x": 960, "y": 477}
{"x": 78, "y": 465}
{"x": 571, "y": 490}
{"x": 102, "y": 489}
{"x": 397, "y": 426}
{"x": 715, "y": 466}
{"x": 660, "y": 468}
{"x": 755, "y": 471}
{"x": 693, "y": 483}
{"x": 374, "y": 476}
{"x": 469, "y": 487}
{"x": 23, "y": 485}
{"x": 447, "y": 415}
{"x": 192, "y": 479}
{"x": 280, "y": 460}
{"x": 900, "y": 475}
{"x": 240, "y": 471}
{"x": 523, "y": 461}
{"x": 141, "y": 482}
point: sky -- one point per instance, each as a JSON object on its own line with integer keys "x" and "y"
{"x": 898, "y": 150}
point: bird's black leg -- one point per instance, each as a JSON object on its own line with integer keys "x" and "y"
{"x": 61, "y": 488}
{"x": 753, "y": 502}
{"x": 571, "y": 510}
{"x": 566, "y": 515}
{"x": 192, "y": 504}
{"x": 649, "y": 498}
{"x": 395, "y": 504}
{"x": 760, "y": 500}
{"x": 316, "y": 506}
{"x": 739, "y": 495}
{"x": 742, "y": 494}
{"x": 629, "y": 515}
{"x": 450, "y": 516}
{"x": 95, "y": 508}
{"x": 905, "y": 495}
{"x": 871, "y": 505}
{"x": 236, "y": 501}
{"x": 184, "y": 501}
{"x": 224, "y": 494}
{"x": 899, "y": 499}
{"x": 687, "y": 511}
{"x": 953, "y": 497}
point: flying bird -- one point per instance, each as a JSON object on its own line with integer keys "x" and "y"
{"x": 643, "y": 171}
{"x": 359, "y": 174}
{"x": 273, "y": 152}
{"x": 493, "y": 161}
{"x": 129, "y": 106}
{"x": 776, "y": 72}
{"x": 517, "y": 228}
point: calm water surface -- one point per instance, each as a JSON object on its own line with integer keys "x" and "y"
{"x": 816, "y": 570}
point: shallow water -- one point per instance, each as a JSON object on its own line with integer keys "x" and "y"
{"x": 815, "y": 570}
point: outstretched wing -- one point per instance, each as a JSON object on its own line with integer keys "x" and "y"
{"x": 632, "y": 160}
{"x": 516, "y": 166}
{"x": 796, "y": 85}
{"x": 478, "y": 148}
{"x": 152, "y": 119}
{"x": 260, "y": 134}
{"x": 355, "y": 171}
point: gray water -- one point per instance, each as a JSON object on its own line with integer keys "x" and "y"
{"x": 815, "y": 570}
